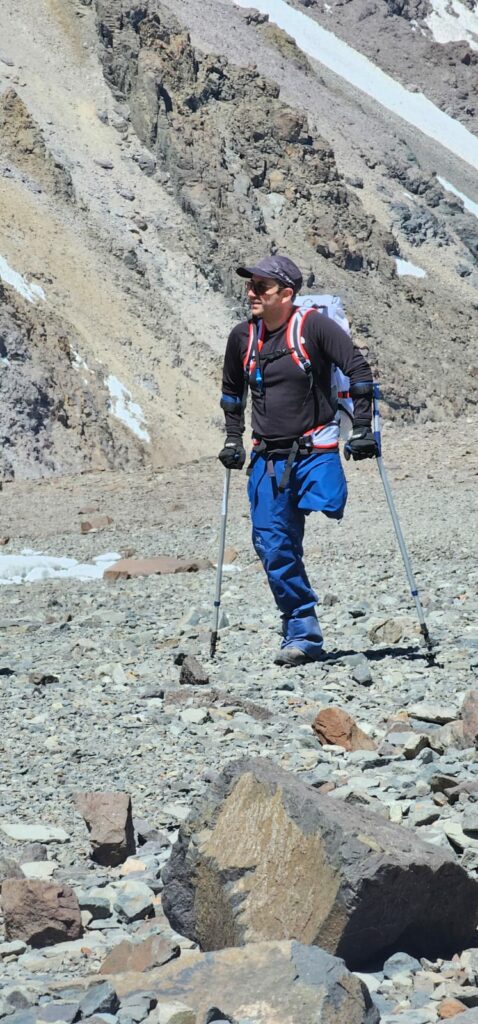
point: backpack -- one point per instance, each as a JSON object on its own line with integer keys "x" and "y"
{"x": 328, "y": 305}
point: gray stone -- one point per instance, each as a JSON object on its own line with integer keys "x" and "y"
{"x": 101, "y": 998}
{"x": 98, "y": 906}
{"x": 15, "y": 948}
{"x": 50, "y": 1013}
{"x": 135, "y": 902}
{"x": 22, "y": 833}
{"x": 358, "y": 873}
{"x": 9, "y": 869}
{"x": 400, "y": 963}
{"x": 362, "y": 674}
{"x": 468, "y": 1016}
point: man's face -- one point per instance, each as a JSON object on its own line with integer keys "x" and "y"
{"x": 266, "y": 295}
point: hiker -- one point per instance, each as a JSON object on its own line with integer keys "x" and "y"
{"x": 286, "y": 358}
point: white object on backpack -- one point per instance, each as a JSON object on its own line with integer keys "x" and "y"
{"x": 331, "y": 306}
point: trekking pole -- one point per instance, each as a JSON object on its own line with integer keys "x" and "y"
{"x": 220, "y": 562}
{"x": 398, "y": 530}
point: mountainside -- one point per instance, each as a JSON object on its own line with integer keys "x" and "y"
{"x": 147, "y": 148}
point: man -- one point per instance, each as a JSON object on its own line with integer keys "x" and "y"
{"x": 295, "y": 467}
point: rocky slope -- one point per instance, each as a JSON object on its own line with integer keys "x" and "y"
{"x": 129, "y": 195}
{"x": 94, "y": 698}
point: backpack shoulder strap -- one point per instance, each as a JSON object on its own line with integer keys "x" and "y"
{"x": 295, "y": 341}
{"x": 254, "y": 345}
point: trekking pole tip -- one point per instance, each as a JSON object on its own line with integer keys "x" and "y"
{"x": 212, "y": 650}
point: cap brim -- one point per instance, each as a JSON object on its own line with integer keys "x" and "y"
{"x": 245, "y": 271}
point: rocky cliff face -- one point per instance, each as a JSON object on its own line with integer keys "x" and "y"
{"x": 53, "y": 409}
{"x": 397, "y": 33}
{"x": 253, "y": 177}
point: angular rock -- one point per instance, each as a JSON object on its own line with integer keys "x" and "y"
{"x": 139, "y": 956}
{"x": 192, "y": 673}
{"x": 130, "y": 567}
{"x": 95, "y": 523}
{"x": 389, "y": 631}
{"x": 100, "y": 998}
{"x": 362, "y": 674}
{"x": 9, "y": 869}
{"x": 449, "y": 1008}
{"x": 279, "y": 982}
{"x": 429, "y": 711}
{"x": 332, "y": 725}
{"x": 335, "y": 876}
{"x": 40, "y": 913}
{"x": 63, "y": 1013}
{"x": 172, "y": 1013}
{"x": 135, "y": 902}
{"x": 469, "y": 717}
{"x": 34, "y": 833}
{"x": 109, "y": 821}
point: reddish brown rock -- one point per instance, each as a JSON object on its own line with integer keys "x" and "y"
{"x": 333, "y": 725}
{"x": 109, "y": 821}
{"x": 469, "y": 717}
{"x": 449, "y": 1008}
{"x": 230, "y": 555}
{"x": 129, "y": 567}
{"x": 40, "y": 913}
{"x": 95, "y": 523}
{"x": 139, "y": 956}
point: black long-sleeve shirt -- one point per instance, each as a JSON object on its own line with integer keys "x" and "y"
{"x": 286, "y": 406}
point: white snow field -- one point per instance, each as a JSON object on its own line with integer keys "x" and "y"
{"x": 30, "y": 292}
{"x": 123, "y": 407}
{"x": 32, "y": 566}
{"x": 360, "y": 72}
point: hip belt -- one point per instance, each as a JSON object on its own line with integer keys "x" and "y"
{"x": 322, "y": 438}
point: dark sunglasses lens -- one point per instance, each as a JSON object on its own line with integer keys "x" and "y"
{"x": 258, "y": 287}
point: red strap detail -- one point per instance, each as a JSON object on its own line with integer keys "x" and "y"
{"x": 249, "y": 345}
{"x": 343, "y": 394}
{"x": 289, "y": 337}
{"x": 297, "y": 348}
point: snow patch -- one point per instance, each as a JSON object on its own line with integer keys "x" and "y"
{"x": 30, "y": 292}
{"x": 452, "y": 22}
{"x": 33, "y": 567}
{"x": 406, "y": 269}
{"x": 467, "y": 203}
{"x": 360, "y": 72}
{"x": 122, "y": 406}
{"x": 78, "y": 363}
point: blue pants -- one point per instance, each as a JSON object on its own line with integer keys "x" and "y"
{"x": 317, "y": 484}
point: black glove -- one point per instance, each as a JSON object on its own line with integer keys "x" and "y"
{"x": 361, "y": 444}
{"x": 233, "y": 455}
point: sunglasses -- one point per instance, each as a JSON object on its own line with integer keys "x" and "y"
{"x": 260, "y": 287}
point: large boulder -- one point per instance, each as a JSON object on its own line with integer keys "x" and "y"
{"x": 40, "y": 913}
{"x": 279, "y": 982}
{"x": 267, "y": 857}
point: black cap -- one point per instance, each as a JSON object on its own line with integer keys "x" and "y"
{"x": 279, "y": 268}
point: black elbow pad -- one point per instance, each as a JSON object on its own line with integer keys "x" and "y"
{"x": 362, "y": 389}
